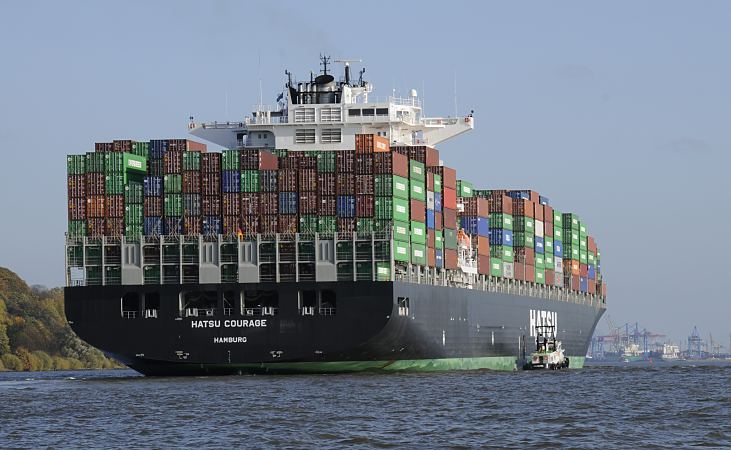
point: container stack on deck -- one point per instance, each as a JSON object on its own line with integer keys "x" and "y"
{"x": 175, "y": 187}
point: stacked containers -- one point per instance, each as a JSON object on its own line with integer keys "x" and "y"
{"x": 326, "y": 190}
{"x": 571, "y": 251}
{"x": 230, "y": 192}
{"x": 307, "y": 191}
{"x": 191, "y": 182}
{"x": 391, "y": 188}
{"x": 417, "y": 212}
{"x": 258, "y": 175}
{"x": 474, "y": 220}
{"x": 76, "y": 183}
{"x": 524, "y": 238}
{"x": 501, "y": 233}
{"x": 211, "y": 223}
{"x": 114, "y": 181}
{"x": 173, "y": 192}
{"x": 448, "y": 200}
{"x": 287, "y": 199}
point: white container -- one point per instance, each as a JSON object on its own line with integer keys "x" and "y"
{"x": 508, "y": 270}
{"x": 539, "y": 228}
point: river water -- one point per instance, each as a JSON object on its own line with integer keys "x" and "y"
{"x": 623, "y": 406}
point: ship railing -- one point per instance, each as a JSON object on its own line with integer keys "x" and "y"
{"x": 263, "y": 311}
{"x": 129, "y": 314}
{"x": 228, "y": 311}
{"x": 222, "y": 125}
{"x": 150, "y": 314}
{"x": 408, "y": 101}
{"x": 440, "y": 121}
{"x": 326, "y": 311}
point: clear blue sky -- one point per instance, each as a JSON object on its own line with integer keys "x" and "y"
{"x": 618, "y": 111}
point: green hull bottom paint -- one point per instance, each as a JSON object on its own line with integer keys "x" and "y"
{"x": 498, "y": 363}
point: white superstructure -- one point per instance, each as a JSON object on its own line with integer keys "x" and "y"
{"x": 325, "y": 114}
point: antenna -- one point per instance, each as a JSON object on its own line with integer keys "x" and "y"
{"x": 324, "y": 61}
{"x": 347, "y": 62}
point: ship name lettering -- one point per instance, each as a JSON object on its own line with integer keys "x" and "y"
{"x": 205, "y": 324}
{"x": 244, "y": 323}
{"x": 542, "y": 318}
{"x": 229, "y": 340}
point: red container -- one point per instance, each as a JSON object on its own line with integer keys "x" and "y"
{"x": 249, "y": 225}
{"x": 430, "y": 238}
{"x": 114, "y": 226}
{"x": 450, "y": 218}
{"x": 430, "y": 181}
{"x": 95, "y": 206}
{"x": 231, "y": 204}
{"x": 591, "y": 285}
{"x": 250, "y": 204}
{"x": 364, "y": 164}
{"x": 77, "y": 208}
{"x": 449, "y": 176}
{"x": 345, "y": 161}
{"x": 152, "y": 206}
{"x": 522, "y": 207}
{"x": 307, "y": 162}
{"x": 192, "y": 225}
{"x": 211, "y": 163}
{"x": 391, "y": 163}
{"x": 418, "y": 211}
{"x": 449, "y": 201}
{"x": 590, "y": 244}
{"x": 364, "y": 206}
{"x": 256, "y": 159}
{"x": 211, "y": 182}
{"x": 548, "y": 229}
{"x": 483, "y": 264}
{"x": 476, "y": 206}
{"x": 438, "y": 221}
{"x": 287, "y": 224}
{"x": 529, "y": 273}
{"x": 95, "y": 227}
{"x": 538, "y": 211}
{"x": 364, "y": 184}
{"x": 76, "y": 186}
{"x": 287, "y": 180}
{"x": 550, "y": 277}
{"x": 500, "y": 204}
{"x": 572, "y": 266}
{"x": 432, "y": 156}
{"x": 524, "y": 255}
{"x": 308, "y": 180}
{"x": 345, "y": 184}
{"x": 291, "y": 161}
{"x": 172, "y": 162}
{"x": 325, "y": 183}
{"x": 518, "y": 271}
{"x": 95, "y": 183}
{"x": 371, "y": 143}
{"x": 230, "y": 225}
{"x": 103, "y": 147}
{"x": 327, "y": 205}
{"x": 483, "y": 245}
{"x": 575, "y": 283}
{"x": 604, "y": 289}
{"x": 450, "y": 258}
{"x": 308, "y": 202}
{"x": 402, "y": 150}
{"x": 431, "y": 257}
{"x": 269, "y": 203}
{"x": 346, "y": 225}
{"x": 122, "y": 146}
{"x": 114, "y": 206}
{"x": 210, "y": 205}
{"x": 191, "y": 182}
{"x": 547, "y": 214}
{"x": 181, "y": 145}
{"x": 268, "y": 224}
{"x": 583, "y": 270}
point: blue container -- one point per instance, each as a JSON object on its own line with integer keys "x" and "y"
{"x": 499, "y": 236}
{"x": 592, "y": 272}
{"x": 542, "y": 200}
{"x": 430, "y": 219}
{"x": 519, "y": 194}
{"x": 557, "y": 249}
{"x": 439, "y": 258}
{"x": 583, "y": 284}
{"x": 540, "y": 249}
{"x": 152, "y": 226}
{"x": 231, "y": 181}
{"x": 346, "y": 206}
{"x": 287, "y": 203}
{"x": 173, "y": 225}
{"x": 475, "y": 225}
{"x": 153, "y": 186}
{"x": 438, "y": 201}
{"x": 211, "y": 225}
{"x": 157, "y": 148}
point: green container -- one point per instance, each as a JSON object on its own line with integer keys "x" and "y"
{"x": 558, "y": 234}
{"x": 94, "y": 162}
{"x": 582, "y": 229}
{"x": 114, "y": 184}
{"x": 133, "y": 230}
{"x": 382, "y": 225}
{"x": 557, "y": 220}
{"x": 571, "y": 221}
{"x": 418, "y": 232}
{"x": 496, "y": 267}
{"x": 134, "y": 193}
{"x": 392, "y": 208}
{"x": 383, "y": 271}
{"x": 572, "y": 237}
{"x": 548, "y": 245}
{"x": 400, "y": 210}
{"x": 583, "y": 257}
{"x": 308, "y": 223}
{"x": 75, "y": 164}
{"x": 401, "y": 251}
{"x": 191, "y": 161}
{"x": 326, "y": 161}
{"x": 590, "y": 258}
{"x": 134, "y": 164}
{"x": 438, "y": 240}
{"x": 401, "y": 231}
{"x": 523, "y": 239}
{"x": 540, "y": 261}
{"x": 141, "y": 148}
{"x": 133, "y": 214}
{"x": 250, "y": 181}
{"x": 417, "y": 190}
{"x": 416, "y": 171}
{"x": 173, "y": 183}
{"x": 77, "y": 228}
{"x": 481, "y": 193}
{"x": 502, "y": 252}
{"x": 571, "y": 251}
{"x": 500, "y": 220}
{"x": 464, "y": 189}
{"x": 173, "y": 205}
{"x": 548, "y": 261}
{"x": 364, "y": 225}
{"x": 582, "y": 243}
{"x": 524, "y": 224}
{"x": 113, "y": 163}
{"x": 437, "y": 183}
{"x": 230, "y": 160}
{"x": 391, "y": 186}
{"x": 450, "y": 239}
{"x": 540, "y": 276}
{"x": 418, "y": 254}
{"x": 327, "y": 224}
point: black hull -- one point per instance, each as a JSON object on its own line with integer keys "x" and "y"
{"x": 446, "y": 328}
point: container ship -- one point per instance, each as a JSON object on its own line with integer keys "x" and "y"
{"x": 327, "y": 236}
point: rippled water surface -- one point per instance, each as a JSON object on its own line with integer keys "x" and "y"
{"x": 598, "y": 407}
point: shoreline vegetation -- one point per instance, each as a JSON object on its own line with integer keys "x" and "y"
{"x": 34, "y": 334}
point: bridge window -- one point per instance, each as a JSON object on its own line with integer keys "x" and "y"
{"x": 355, "y": 112}
{"x": 369, "y": 112}
{"x": 152, "y": 305}
{"x": 199, "y": 303}
{"x": 382, "y": 111}
{"x": 304, "y": 115}
{"x": 264, "y": 303}
{"x": 330, "y": 115}
{"x": 331, "y": 135}
{"x": 130, "y": 305}
{"x": 304, "y": 136}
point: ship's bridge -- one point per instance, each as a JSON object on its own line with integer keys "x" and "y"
{"x": 324, "y": 114}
